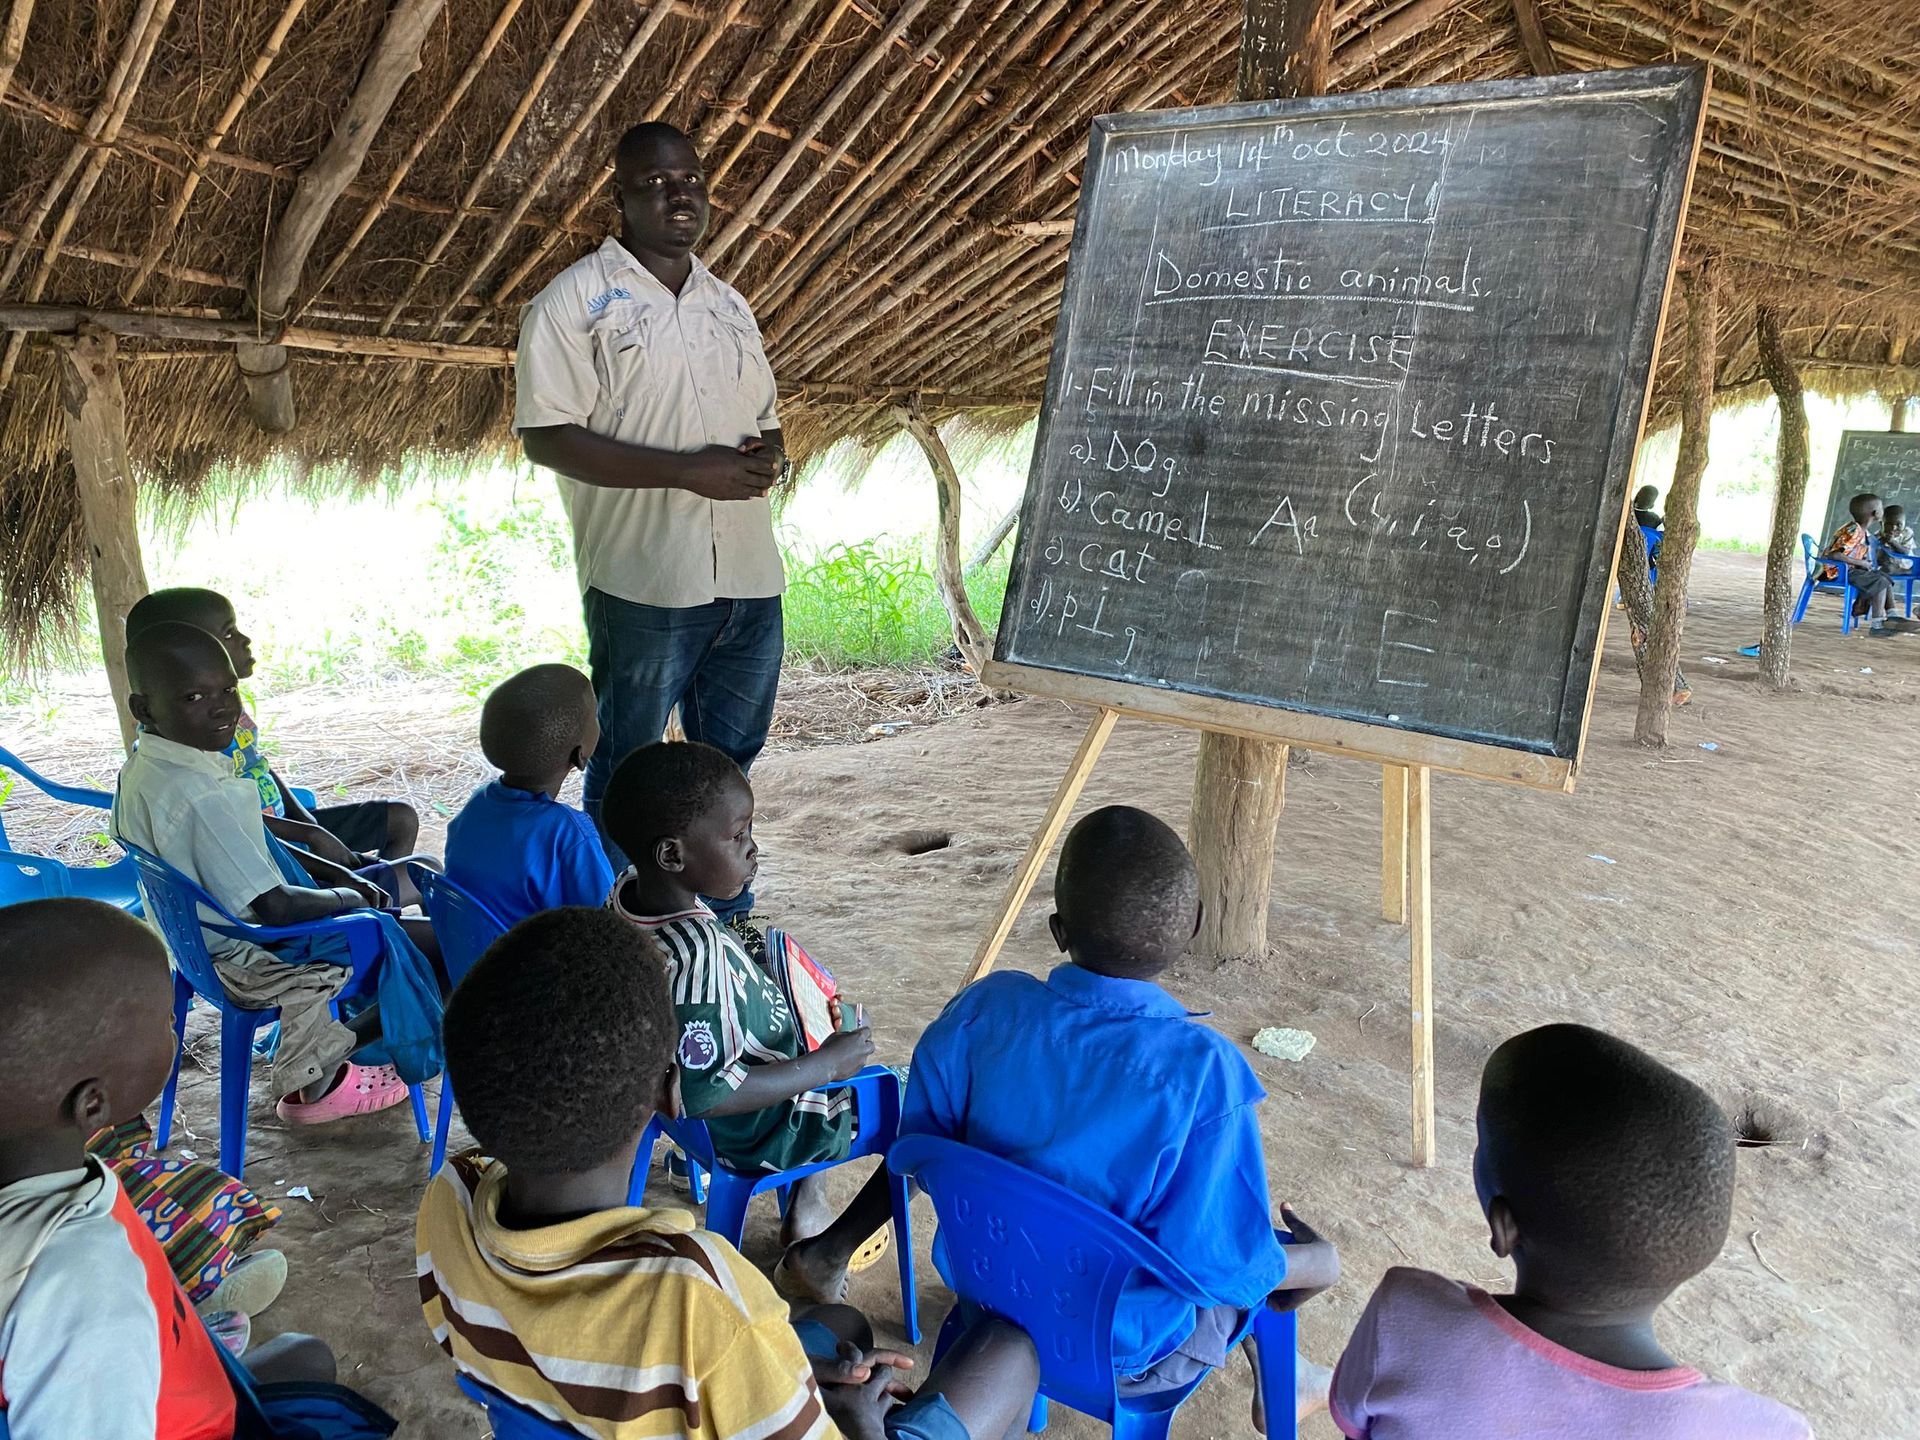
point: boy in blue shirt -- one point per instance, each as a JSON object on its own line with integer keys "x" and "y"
{"x": 515, "y": 847}
{"x": 1101, "y": 1081}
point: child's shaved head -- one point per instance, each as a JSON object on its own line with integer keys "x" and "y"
{"x": 86, "y": 1034}
{"x": 1616, "y": 1170}
{"x": 534, "y": 721}
{"x": 1864, "y": 507}
{"x": 1127, "y": 896}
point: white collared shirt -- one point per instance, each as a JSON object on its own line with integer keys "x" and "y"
{"x": 608, "y": 347}
{"x": 189, "y": 808}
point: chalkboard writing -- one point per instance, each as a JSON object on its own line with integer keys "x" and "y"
{"x": 1344, "y": 397}
{"x": 1883, "y": 462}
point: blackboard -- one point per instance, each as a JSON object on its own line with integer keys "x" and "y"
{"x": 1885, "y": 462}
{"x": 1344, "y": 398}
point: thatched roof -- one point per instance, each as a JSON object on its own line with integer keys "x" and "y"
{"x": 894, "y": 183}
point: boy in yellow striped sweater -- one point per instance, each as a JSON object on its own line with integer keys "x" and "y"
{"x": 629, "y": 1323}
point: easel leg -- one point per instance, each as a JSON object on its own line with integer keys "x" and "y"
{"x": 1393, "y": 844}
{"x": 1419, "y": 839}
{"x": 1041, "y": 846}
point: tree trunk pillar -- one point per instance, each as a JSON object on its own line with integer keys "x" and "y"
{"x": 1660, "y": 674}
{"x": 976, "y": 647}
{"x": 1783, "y": 549}
{"x": 96, "y": 409}
{"x": 1239, "y": 785}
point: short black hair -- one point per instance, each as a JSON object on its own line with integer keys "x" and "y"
{"x": 155, "y": 650}
{"x": 183, "y": 604}
{"x": 558, "y": 1038}
{"x": 1893, "y": 510}
{"x": 1645, "y": 496}
{"x": 1860, "y": 502}
{"x": 658, "y": 791}
{"x": 1617, "y": 1165}
{"x": 531, "y": 722}
{"x": 64, "y": 968}
{"x": 1126, "y": 892}
{"x": 642, "y": 136}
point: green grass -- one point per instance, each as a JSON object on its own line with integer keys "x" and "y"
{"x": 859, "y": 605}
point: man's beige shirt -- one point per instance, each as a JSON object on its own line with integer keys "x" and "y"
{"x": 608, "y": 347}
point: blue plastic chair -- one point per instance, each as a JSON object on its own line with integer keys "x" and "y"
{"x": 26, "y": 877}
{"x": 465, "y": 928}
{"x": 114, "y": 884}
{"x": 1881, "y": 552}
{"x": 1032, "y": 1252}
{"x": 876, "y": 1092}
{"x": 1839, "y": 585}
{"x": 509, "y": 1419}
{"x": 174, "y": 903}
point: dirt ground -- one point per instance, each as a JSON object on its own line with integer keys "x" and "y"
{"x": 1745, "y": 911}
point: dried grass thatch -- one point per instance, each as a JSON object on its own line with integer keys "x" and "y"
{"x": 894, "y": 185}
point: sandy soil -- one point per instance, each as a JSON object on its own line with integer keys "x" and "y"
{"x": 1693, "y": 901}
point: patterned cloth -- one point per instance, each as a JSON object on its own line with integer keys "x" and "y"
{"x": 626, "y": 1324}
{"x": 250, "y": 764}
{"x": 731, "y": 1016}
{"x": 204, "y": 1219}
{"x": 1849, "y": 543}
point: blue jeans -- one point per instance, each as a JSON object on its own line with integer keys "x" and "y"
{"x": 720, "y": 663}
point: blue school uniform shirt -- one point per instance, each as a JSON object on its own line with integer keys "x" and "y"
{"x": 518, "y": 853}
{"x": 1113, "y": 1089}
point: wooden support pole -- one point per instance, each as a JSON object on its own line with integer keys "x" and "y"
{"x": 1420, "y": 956}
{"x": 13, "y": 40}
{"x": 968, "y": 633}
{"x": 1041, "y": 846}
{"x": 1533, "y": 39}
{"x": 1393, "y": 844}
{"x": 1783, "y": 548}
{"x": 96, "y": 409}
{"x": 996, "y": 537}
{"x": 396, "y": 55}
{"x": 1659, "y": 676}
{"x": 1239, "y": 785}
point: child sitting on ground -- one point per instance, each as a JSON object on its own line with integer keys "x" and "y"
{"x": 684, "y": 813}
{"x": 353, "y": 835}
{"x": 1852, "y": 547}
{"x": 1896, "y": 542}
{"x": 543, "y": 1284}
{"x": 97, "y": 1339}
{"x": 179, "y": 799}
{"x": 1101, "y": 1081}
{"x": 514, "y": 846}
{"x": 1608, "y": 1180}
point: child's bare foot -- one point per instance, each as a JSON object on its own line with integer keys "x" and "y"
{"x": 1311, "y": 1385}
{"x": 806, "y": 1273}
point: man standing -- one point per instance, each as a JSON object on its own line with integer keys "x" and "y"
{"x": 643, "y": 386}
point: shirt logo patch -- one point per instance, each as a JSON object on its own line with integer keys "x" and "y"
{"x": 600, "y": 302}
{"x": 698, "y": 1049}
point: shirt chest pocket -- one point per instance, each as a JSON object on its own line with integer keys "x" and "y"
{"x": 733, "y": 345}
{"x": 620, "y": 352}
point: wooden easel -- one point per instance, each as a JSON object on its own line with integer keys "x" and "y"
{"x": 1406, "y": 894}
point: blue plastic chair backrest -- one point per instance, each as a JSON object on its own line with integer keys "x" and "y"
{"x": 173, "y": 903}
{"x": 29, "y": 877}
{"x": 72, "y": 794}
{"x": 1035, "y": 1253}
{"x": 1806, "y": 551}
{"x": 511, "y": 1420}
{"x": 464, "y": 926}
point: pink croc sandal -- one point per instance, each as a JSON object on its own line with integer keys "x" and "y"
{"x": 361, "y": 1091}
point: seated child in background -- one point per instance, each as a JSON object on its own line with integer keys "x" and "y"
{"x": 97, "y": 1339}
{"x": 1896, "y": 535}
{"x": 179, "y": 799}
{"x": 1851, "y": 546}
{"x": 514, "y": 846}
{"x": 1103, "y": 1082}
{"x": 542, "y": 1283}
{"x": 1644, "y": 499}
{"x": 1608, "y": 1180}
{"x": 353, "y": 835}
{"x": 684, "y": 813}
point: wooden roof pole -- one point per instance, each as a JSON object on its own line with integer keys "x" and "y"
{"x": 396, "y": 55}
{"x": 378, "y": 206}
{"x": 169, "y": 224}
{"x": 1533, "y": 39}
{"x": 1783, "y": 548}
{"x": 13, "y": 40}
{"x": 1239, "y": 785}
{"x": 536, "y": 85}
{"x": 788, "y": 79}
{"x": 96, "y": 408}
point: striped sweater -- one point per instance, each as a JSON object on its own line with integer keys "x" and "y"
{"x": 626, "y": 1324}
